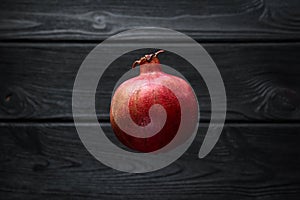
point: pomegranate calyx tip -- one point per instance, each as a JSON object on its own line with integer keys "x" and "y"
{"x": 147, "y": 58}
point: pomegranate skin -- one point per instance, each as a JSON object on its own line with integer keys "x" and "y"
{"x": 132, "y": 103}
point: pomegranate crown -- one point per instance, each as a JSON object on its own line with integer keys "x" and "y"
{"x": 147, "y": 58}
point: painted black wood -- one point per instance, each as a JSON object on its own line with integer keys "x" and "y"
{"x": 48, "y": 161}
{"x": 262, "y": 80}
{"x": 207, "y": 20}
{"x": 255, "y": 44}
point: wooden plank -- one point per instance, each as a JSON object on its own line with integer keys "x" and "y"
{"x": 262, "y": 80}
{"x": 250, "y": 161}
{"x": 203, "y": 20}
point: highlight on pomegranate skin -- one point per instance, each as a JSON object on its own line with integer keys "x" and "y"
{"x": 146, "y": 111}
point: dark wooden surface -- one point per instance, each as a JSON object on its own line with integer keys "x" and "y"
{"x": 255, "y": 44}
{"x": 48, "y": 161}
{"x": 262, "y": 80}
{"x": 206, "y": 20}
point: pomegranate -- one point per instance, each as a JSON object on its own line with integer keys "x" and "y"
{"x": 146, "y": 111}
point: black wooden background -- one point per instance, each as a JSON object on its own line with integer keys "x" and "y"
{"x": 255, "y": 44}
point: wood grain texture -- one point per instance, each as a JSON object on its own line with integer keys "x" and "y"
{"x": 255, "y": 44}
{"x": 48, "y": 161}
{"x": 206, "y": 20}
{"x": 261, "y": 80}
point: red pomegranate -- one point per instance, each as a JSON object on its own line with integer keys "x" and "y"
{"x": 147, "y": 111}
